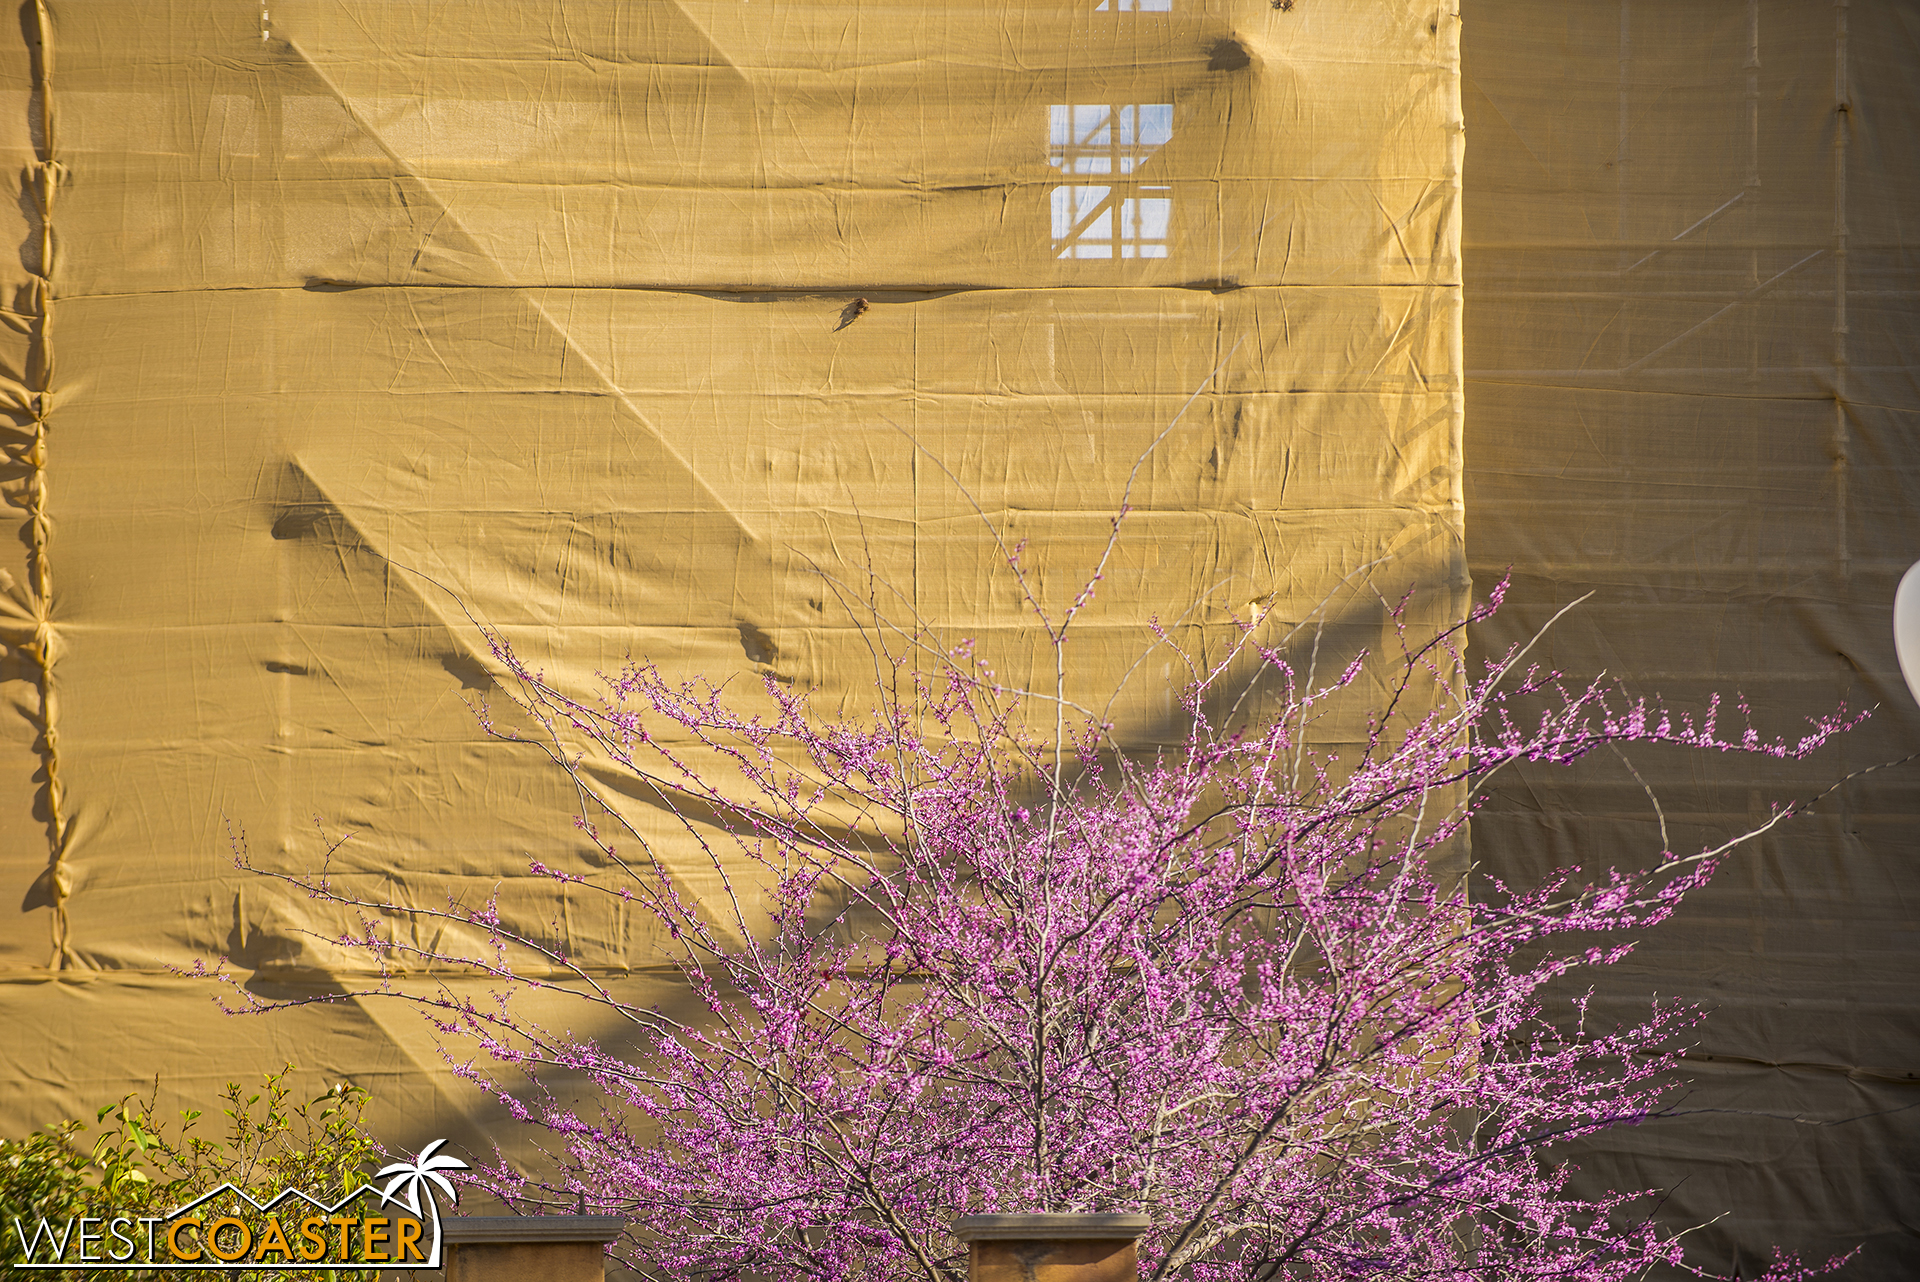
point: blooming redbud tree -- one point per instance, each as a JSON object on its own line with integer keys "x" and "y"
{"x": 948, "y": 964}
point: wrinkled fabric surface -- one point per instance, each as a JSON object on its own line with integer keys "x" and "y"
{"x": 1693, "y": 391}
{"x": 700, "y": 330}
{"x": 692, "y": 331}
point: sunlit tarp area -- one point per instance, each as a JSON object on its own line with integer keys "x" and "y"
{"x": 663, "y": 329}
{"x": 710, "y": 330}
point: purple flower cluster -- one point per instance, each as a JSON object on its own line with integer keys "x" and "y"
{"x": 1238, "y": 985}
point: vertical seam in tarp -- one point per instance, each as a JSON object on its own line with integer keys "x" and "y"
{"x": 53, "y": 885}
{"x": 1447, "y": 28}
{"x": 1842, "y": 127}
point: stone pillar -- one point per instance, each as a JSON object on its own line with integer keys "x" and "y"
{"x": 528, "y": 1248}
{"x": 1051, "y": 1248}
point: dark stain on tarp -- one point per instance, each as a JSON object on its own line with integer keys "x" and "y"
{"x": 1229, "y": 55}
{"x": 467, "y": 670}
{"x": 290, "y": 669}
{"x": 757, "y": 645}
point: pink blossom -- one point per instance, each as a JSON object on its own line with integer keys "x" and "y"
{"x": 1239, "y": 987}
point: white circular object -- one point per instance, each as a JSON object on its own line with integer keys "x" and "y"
{"x": 1906, "y": 627}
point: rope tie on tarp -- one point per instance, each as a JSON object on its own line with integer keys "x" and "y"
{"x": 55, "y": 884}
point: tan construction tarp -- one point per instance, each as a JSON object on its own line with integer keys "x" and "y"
{"x": 349, "y": 318}
{"x": 1693, "y": 359}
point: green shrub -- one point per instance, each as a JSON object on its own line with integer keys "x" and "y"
{"x": 135, "y": 1165}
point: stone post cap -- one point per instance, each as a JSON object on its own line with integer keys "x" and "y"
{"x": 531, "y": 1228}
{"x": 1055, "y": 1227}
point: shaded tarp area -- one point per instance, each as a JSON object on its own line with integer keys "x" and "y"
{"x": 642, "y": 328}
{"x": 1691, "y": 359}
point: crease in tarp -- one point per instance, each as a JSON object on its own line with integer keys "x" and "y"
{"x": 247, "y": 466}
{"x": 480, "y": 252}
{"x": 706, "y": 35}
{"x": 52, "y": 887}
{"x": 1660, "y": 414}
{"x": 463, "y": 639}
{"x": 838, "y": 291}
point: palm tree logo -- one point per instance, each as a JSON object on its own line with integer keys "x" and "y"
{"x": 412, "y": 1180}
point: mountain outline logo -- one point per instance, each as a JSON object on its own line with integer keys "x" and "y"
{"x": 257, "y": 1238}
